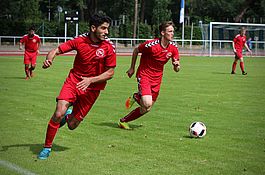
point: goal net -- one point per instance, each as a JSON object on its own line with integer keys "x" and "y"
{"x": 220, "y": 36}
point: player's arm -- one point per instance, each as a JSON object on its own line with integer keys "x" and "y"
{"x": 233, "y": 45}
{"x": 131, "y": 70}
{"x": 20, "y": 45}
{"x": 247, "y": 48}
{"x": 108, "y": 74}
{"x": 38, "y": 46}
{"x": 50, "y": 57}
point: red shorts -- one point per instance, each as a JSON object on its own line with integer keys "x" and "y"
{"x": 148, "y": 87}
{"x": 238, "y": 55}
{"x": 82, "y": 100}
{"x": 30, "y": 57}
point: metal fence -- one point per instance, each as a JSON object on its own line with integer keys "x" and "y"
{"x": 126, "y": 45}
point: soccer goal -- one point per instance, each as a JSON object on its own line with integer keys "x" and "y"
{"x": 221, "y": 35}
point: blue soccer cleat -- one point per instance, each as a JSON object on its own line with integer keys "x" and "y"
{"x": 44, "y": 154}
{"x": 69, "y": 111}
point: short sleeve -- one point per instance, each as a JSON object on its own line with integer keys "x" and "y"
{"x": 22, "y": 40}
{"x": 68, "y": 46}
{"x": 110, "y": 60}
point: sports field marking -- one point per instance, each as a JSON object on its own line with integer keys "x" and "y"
{"x": 16, "y": 168}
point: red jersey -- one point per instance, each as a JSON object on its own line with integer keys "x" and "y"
{"x": 154, "y": 57}
{"x": 31, "y": 44}
{"x": 239, "y": 42}
{"x": 91, "y": 59}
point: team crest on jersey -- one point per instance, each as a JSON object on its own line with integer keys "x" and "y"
{"x": 100, "y": 52}
{"x": 169, "y": 54}
{"x": 34, "y": 40}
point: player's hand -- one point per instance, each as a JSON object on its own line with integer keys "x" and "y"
{"x": 20, "y": 48}
{"x": 82, "y": 85}
{"x": 130, "y": 72}
{"x": 46, "y": 64}
{"x": 176, "y": 65}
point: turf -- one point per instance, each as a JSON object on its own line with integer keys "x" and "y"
{"x": 231, "y": 106}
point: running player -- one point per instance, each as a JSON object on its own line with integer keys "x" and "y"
{"x": 93, "y": 65}
{"x": 238, "y": 43}
{"x": 31, "y": 42}
{"x": 155, "y": 54}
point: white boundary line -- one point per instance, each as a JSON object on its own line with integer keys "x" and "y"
{"x": 16, "y": 168}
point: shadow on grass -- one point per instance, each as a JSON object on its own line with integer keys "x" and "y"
{"x": 34, "y": 148}
{"x": 21, "y": 78}
{"x": 115, "y": 125}
{"x": 224, "y": 73}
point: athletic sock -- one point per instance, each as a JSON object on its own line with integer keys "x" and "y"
{"x": 234, "y": 66}
{"x": 132, "y": 115}
{"x": 51, "y": 132}
{"x": 27, "y": 71}
{"x": 137, "y": 98}
{"x": 242, "y": 66}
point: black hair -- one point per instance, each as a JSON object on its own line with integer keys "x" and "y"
{"x": 32, "y": 28}
{"x": 98, "y": 19}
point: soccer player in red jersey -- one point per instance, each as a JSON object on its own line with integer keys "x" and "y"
{"x": 93, "y": 65}
{"x": 238, "y": 43}
{"x": 155, "y": 54}
{"x": 31, "y": 42}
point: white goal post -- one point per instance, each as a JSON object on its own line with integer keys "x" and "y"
{"x": 239, "y": 25}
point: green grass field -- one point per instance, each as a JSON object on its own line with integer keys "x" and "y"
{"x": 232, "y": 107}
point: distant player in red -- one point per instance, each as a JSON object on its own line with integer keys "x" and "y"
{"x": 155, "y": 54}
{"x": 93, "y": 65}
{"x": 31, "y": 42}
{"x": 238, "y": 44}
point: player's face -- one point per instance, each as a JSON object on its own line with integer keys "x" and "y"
{"x": 243, "y": 32}
{"x": 31, "y": 33}
{"x": 101, "y": 31}
{"x": 168, "y": 34}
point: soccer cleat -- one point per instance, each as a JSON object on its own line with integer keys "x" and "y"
{"x": 63, "y": 121}
{"x": 27, "y": 78}
{"x": 124, "y": 125}
{"x": 44, "y": 154}
{"x": 129, "y": 102}
{"x": 233, "y": 72}
{"x": 244, "y": 73}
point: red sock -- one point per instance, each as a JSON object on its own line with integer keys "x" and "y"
{"x": 234, "y": 66}
{"x": 51, "y": 132}
{"x": 242, "y": 66}
{"x": 132, "y": 115}
{"x": 137, "y": 98}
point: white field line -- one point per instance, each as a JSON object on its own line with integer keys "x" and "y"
{"x": 16, "y": 168}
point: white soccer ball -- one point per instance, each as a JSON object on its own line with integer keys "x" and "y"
{"x": 197, "y": 129}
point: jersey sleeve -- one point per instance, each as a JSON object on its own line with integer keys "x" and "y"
{"x": 110, "y": 60}
{"x": 68, "y": 46}
{"x": 175, "y": 54}
{"x": 141, "y": 47}
{"x": 22, "y": 40}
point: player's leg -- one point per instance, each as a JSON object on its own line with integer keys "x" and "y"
{"x": 136, "y": 97}
{"x": 234, "y": 64}
{"x": 33, "y": 63}
{"x": 81, "y": 107}
{"x": 242, "y": 66}
{"x": 27, "y": 63}
{"x": 146, "y": 104}
{"x": 27, "y": 72}
{"x": 53, "y": 127}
